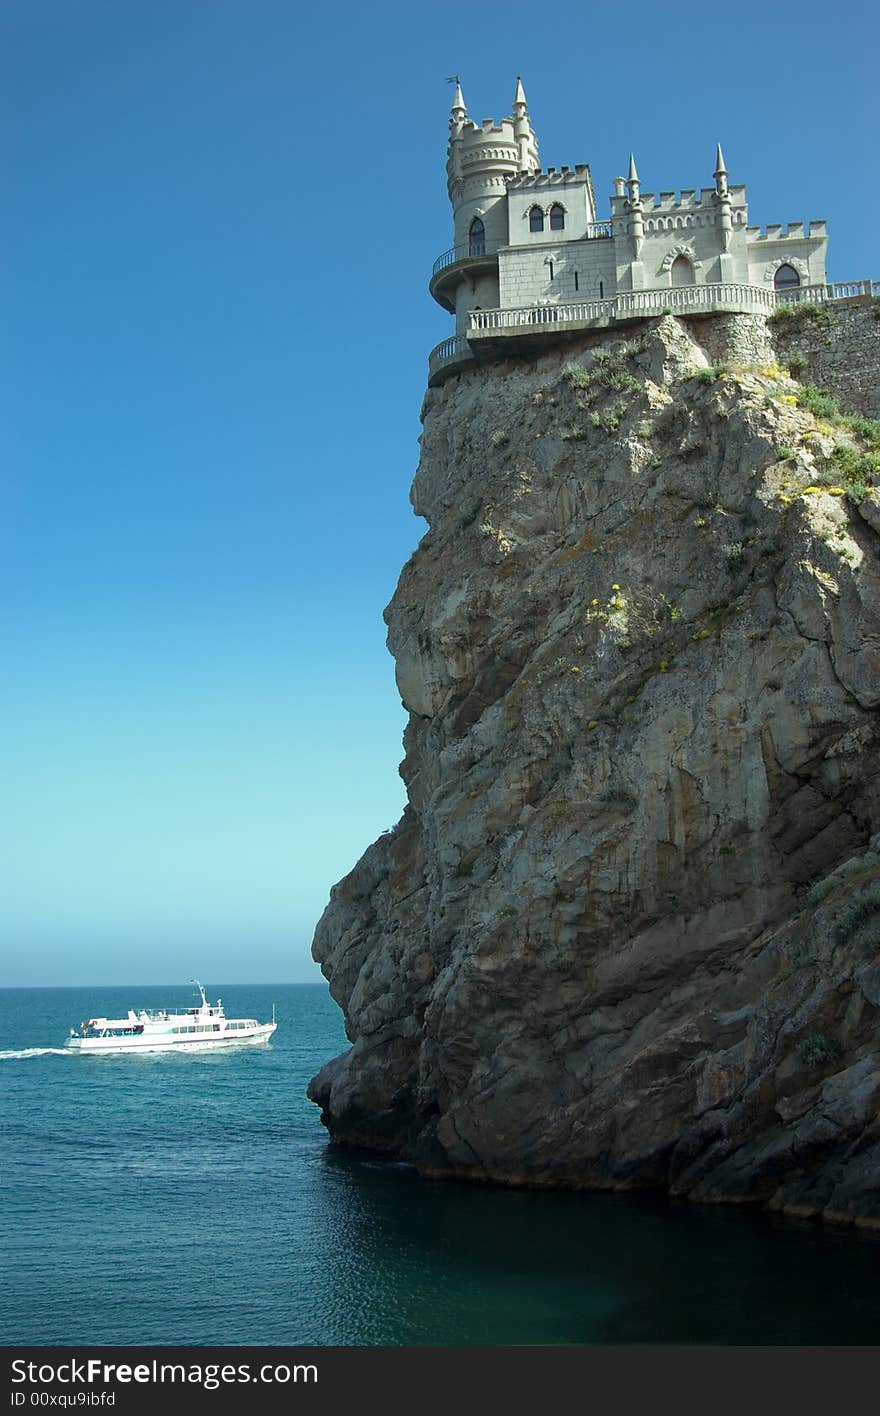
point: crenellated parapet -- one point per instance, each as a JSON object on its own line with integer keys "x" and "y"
{"x": 794, "y": 231}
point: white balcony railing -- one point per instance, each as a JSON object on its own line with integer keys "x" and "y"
{"x": 836, "y": 290}
{"x": 722, "y": 298}
{"x": 454, "y": 350}
{"x": 476, "y": 250}
{"x": 633, "y": 304}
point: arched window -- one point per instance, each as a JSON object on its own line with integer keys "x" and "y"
{"x": 786, "y": 278}
{"x": 682, "y": 272}
{"x": 536, "y": 219}
{"x": 557, "y": 217}
{"x": 477, "y": 238}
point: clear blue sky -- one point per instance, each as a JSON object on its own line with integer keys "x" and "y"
{"x": 219, "y": 219}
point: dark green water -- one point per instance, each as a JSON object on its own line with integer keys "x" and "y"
{"x": 195, "y": 1200}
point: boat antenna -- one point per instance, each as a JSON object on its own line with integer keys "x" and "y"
{"x": 201, "y": 991}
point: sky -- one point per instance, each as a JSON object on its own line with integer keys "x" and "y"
{"x": 219, "y": 219}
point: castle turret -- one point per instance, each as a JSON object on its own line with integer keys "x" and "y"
{"x": 637, "y": 222}
{"x": 522, "y": 128}
{"x": 482, "y": 159}
{"x": 722, "y": 194}
{"x": 457, "y": 120}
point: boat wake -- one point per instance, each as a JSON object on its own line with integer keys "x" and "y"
{"x": 18, "y": 1054}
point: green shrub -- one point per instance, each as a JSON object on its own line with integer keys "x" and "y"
{"x": 853, "y": 469}
{"x": 817, "y": 1049}
{"x": 618, "y": 380}
{"x": 577, "y": 375}
{"x": 712, "y": 374}
{"x": 793, "y": 315}
{"x": 864, "y": 907}
{"x": 819, "y": 403}
{"x": 610, "y": 418}
{"x": 817, "y": 892}
{"x": 867, "y": 428}
{"x": 797, "y": 363}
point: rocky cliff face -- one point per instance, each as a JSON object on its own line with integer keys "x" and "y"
{"x": 627, "y": 931}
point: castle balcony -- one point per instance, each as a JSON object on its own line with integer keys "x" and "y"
{"x": 471, "y": 259}
{"x": 450, "y": 356}
{"x": 468, "y": 262}
{"x": 859, "y": 290}
{"x": 515, "y": 328}
{"x": 532, "y": 328}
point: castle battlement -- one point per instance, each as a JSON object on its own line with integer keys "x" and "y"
{"x": 553, "y": 177}
{"x": 794, "y": 231}
{"x": 684, "y": 200}
{"x": 528, "y": 238}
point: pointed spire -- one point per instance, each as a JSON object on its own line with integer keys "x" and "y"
{"x": 633, "y": 174}
{"x": 519, "y": 98}
{"x": 720, "y": 174}
{"x": 458, "y": 104}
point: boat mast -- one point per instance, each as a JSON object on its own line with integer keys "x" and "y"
{"x": 201, "y": 991}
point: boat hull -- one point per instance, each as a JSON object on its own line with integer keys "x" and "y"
{"x": 102, "y": 1046}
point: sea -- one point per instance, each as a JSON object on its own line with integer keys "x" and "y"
{"x": 177, "y": 1200}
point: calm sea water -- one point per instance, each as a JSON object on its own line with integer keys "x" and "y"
{"x": 195, "y": 1200}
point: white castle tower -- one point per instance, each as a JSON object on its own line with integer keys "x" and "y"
{"x": 530, "y": 261}
{"x": 482, "y": 160}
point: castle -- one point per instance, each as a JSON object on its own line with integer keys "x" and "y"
{"x": 531, "y": 261}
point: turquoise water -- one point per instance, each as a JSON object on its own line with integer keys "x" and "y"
{"x": 195, "y": 1200}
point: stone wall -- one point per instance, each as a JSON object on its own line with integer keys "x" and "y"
{"x": 524, "y": 273}
{"x": 734, "y": 339}
{"x": 842, "y": 353}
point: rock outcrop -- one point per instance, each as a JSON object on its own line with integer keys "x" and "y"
{"x": 627, "y": 931}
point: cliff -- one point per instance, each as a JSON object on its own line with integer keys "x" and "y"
{"x": 627, "y": 931}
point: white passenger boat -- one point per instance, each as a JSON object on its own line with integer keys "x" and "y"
{"x": 161, "y": 1030}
